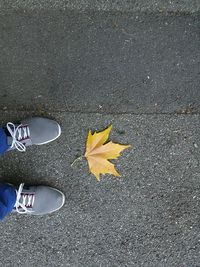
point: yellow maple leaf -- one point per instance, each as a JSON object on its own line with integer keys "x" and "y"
{"x": 98, "y": 153}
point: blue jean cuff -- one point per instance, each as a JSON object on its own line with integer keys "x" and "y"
{"x": 3, "y": 142}
{"x": 7, "y": 199}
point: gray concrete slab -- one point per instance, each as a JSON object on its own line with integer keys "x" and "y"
{"x": 149, "y": 217}
{"x": 106, "y": 5}
{"x": 108, "y": 62}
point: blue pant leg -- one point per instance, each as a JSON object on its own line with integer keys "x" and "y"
{"x": 3, "y": 142}
{"x": 7, "y": 199}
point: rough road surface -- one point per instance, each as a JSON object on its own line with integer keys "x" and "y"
{"x": 88, "y": 64}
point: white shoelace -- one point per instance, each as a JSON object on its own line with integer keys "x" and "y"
{"x": 16, "y": 142}
{"x": 27, "y": 200}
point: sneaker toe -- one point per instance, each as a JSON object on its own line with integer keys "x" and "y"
{"x": 47, "y": 200}
{"x": 42, "y": 130}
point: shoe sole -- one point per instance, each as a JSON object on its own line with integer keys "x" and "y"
{"x": 63, "y": 202}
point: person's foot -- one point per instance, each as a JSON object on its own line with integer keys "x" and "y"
{"x": 32, "y": 131}
{"x": 38, "y": 200}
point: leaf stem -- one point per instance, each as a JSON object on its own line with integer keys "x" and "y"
{"x": 77, "y": 159}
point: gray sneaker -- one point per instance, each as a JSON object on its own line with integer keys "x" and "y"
{"x": 32, "y": 131}
{"x": 38, "y": 200}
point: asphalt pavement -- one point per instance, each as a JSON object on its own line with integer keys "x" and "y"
{"x": 148, "y": 217}
{"x": 88, "y": 66}
{"x": 185, "y": 6}
{"x": 99, "y": 62}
